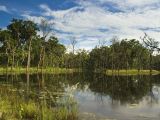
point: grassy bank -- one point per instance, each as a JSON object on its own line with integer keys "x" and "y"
{"x": 48, "y": 70}
{"x": 131, "y": 72}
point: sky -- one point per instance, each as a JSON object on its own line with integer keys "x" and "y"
{"x": 90, "y": 22}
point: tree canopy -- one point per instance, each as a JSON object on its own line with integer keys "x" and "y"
{"x": 21, "y": 46}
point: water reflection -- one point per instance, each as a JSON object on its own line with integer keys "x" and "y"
{"x": 97, "y": 95}
{"x": 126, "y": 89}
{"x": 123, "y": 97}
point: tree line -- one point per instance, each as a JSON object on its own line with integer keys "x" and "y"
{"x": 21, "y": 46}
{"x": 124, "y": 54}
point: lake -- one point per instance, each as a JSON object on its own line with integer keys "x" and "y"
{"x": 96, "y": 96}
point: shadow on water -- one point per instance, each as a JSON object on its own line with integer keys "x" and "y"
{"x": 81, "y": 92}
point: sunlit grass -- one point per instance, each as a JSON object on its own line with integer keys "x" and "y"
{"x": 131, "y": 72}
{"x": 48, "y": 70}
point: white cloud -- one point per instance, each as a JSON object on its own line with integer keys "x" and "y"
{"x": 90, "y": 22}
{"x": 124, "y": 3}
{"x": 36, "y": 19}
{"x": 141, "y": 2}
{"x": 4, "y": 8}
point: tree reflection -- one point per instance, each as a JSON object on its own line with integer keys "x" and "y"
{"x": 119, "y": 89}
{"x": 126, "y": 89}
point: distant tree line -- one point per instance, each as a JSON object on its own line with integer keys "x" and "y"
{"x": 124, "y": 54}
{"x": 21, "y": 46}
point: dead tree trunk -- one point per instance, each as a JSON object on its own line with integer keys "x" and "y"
{"x": 29, "y": 55}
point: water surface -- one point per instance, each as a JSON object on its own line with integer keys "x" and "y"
{"x": 97, "y": 96}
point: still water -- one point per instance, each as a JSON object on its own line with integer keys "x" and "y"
{"x": 98, "y": 97}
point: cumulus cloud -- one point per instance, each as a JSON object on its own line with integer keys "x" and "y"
{"x": 97, "y": 20}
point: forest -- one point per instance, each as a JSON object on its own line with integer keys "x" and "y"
{"x": 22, "y": 46}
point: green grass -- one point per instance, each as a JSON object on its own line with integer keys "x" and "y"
{"x": 48, "y": 70}
{"x": 131, "y": 72}
{"x": 10, "y": 110}
{"x": 15, "y": 107}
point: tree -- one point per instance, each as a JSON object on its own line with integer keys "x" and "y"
{"x": 73, "y": 43}
{"x": 29, "y": 33}
{"x": 152, "y": 45}
{"x": 15, "y": 28}
{"x": 102, "y": 42}
{"x": 124, "y": 54}
{"x": 5, "y": 40}
{"x": 114, "y": 41}
{"x": 54, "y": 51}
{"x": 46, "y": 28}
{"x": 81, "y": 59}
{"x": 23, "y": 32}
{"x": 20, "y": 45}
{"x": 99, "y": 58}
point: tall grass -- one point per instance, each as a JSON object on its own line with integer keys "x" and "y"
{"x": 15, "y": 107}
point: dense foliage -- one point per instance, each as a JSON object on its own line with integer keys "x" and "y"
{"x": 21, "y": 46}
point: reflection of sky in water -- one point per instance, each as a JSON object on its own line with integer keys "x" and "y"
{"x": 118, "y": 98}
{"x": 102, "y": 105}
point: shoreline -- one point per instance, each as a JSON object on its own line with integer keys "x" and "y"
{"x": 33, "y": 70}
{"x": 131, "y": 72}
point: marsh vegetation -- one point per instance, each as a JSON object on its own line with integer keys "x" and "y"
{"x": 78, "y": 96}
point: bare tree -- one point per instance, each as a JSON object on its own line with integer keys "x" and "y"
{"x": 45, "y": 28}
{"x": 73, "y": 43}
{"x": 102, "y": 42}
{"x": 114, "y": 39}
{"x": 152, "y": 46}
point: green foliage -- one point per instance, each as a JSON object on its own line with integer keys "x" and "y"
{"x": 21, "y": 46}
{"x": 124, "y": 54}
{"x": 28, "y": 111}
{"x": 16, "y": 107}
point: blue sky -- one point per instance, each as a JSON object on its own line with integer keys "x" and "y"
{"x": 16, "y": 8}
{"x": 90, "y": 21}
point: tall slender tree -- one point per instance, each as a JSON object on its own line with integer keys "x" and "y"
{"x": 29, "y": 32}
{"x": 73, "y": 43}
